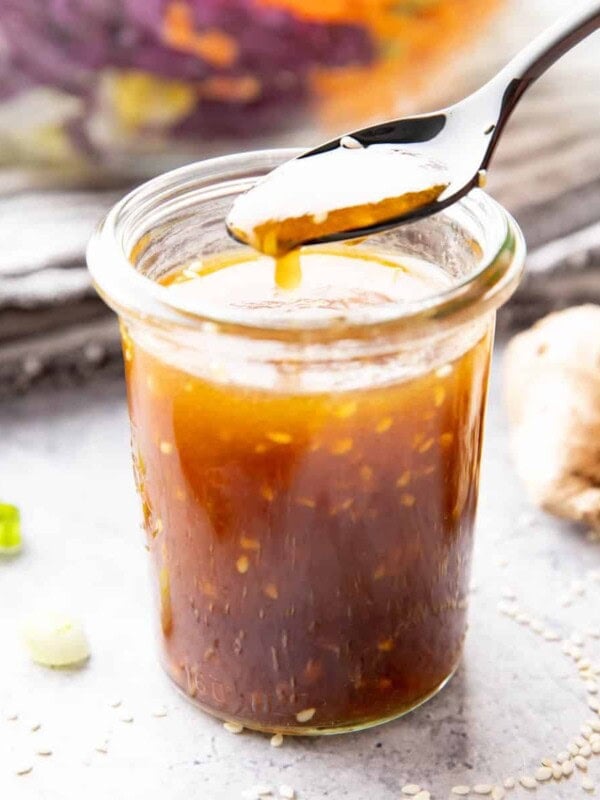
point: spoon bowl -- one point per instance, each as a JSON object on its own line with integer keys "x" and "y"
{"x": 395, "y": 172}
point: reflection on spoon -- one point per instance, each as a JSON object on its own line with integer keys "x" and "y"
{"x": 387, "y": 174}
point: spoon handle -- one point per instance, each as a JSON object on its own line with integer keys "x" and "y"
{"x": 526, "y": 67}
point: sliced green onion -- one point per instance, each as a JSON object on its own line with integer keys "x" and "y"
{"x": 10, "y": 529}
{"x": 56, "y": 640}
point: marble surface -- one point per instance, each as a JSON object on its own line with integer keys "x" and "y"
{"x": 516, "y": 698}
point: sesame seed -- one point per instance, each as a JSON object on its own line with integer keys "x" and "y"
{"x": 578, "y": 639}
{"x": 247, "y": 543}
{"x": 102, "y": 748}
{"x": 551, "y": 636}
{"x": 461, "y": 789}
{"x": 276, "y": 740}
{"x": 267, "y": 493}
{"x": 595, "y": 725}
{"x": 161, "y": 711}
{"x": 557, "y": 772}
{"x": 543, "y": 774}
{"x": 483, "y": 788}
{"x": 506, "y": 609}
{"x": 126, "y": 718}
{"x": 572, "y": 748}
{"x": 596, "y": 747}
{"x": 384, "y": 425}
{"x": 586, "y": 731}
{"x": 523, "y": 619}
{"x": 498, "y": 793}
{"x": 584, "y": 663}
{"x": 346, "y": 410}
{"x": 287, "y": 792}
{"x": 591, "y": 687}
{"x": 341, "y": 446}
{"x": 585, "y": 750}
{"x": 115, "y": 703}
{"x": 562, "y": 757}
{"x": 242, "y": 564}
{"x": 579, "y": 741}
{"x": 279, "y": 437}
{"x": 350, "y": 143}
{"x": 23, "y": 769}
{"x": 166, "y": 448}
{"x": 36, "y": 726}
{"x": 594, "y": 703}
{"x": 12, "y": 716}
{"x": 407, "y": 500}
{"x": 587, "y": 784}
{"x": 233, "y": 727}
{"x": 43, "y": 750}
{"x": 578, "y": 587}
{"x": 594, "y": 633}
{"x": 306, "y": 715}
{"x": 262, "y": 790}
{"x": 536, "y": 626}
{"x": 567, "y": 768}
{"x": 546, "y": 762}
{"x": 439, "y": 395}
{"x": 426, "y": 445}
{"x": 509, "y": 783}
{"x": 404, "y": 479}
{"x": 423, "y": 795}
{"x": 307, "y": 502}
{"x": 527, "y": 782}
{"x": 508, "y": 593}
{"x": 580, "y": 763}
{"x": 411, "y": 789}
{"x": 444, "y": 371}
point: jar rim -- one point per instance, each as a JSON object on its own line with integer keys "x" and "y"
{"x": 133, "y": 295}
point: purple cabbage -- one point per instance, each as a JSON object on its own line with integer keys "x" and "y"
{"x": 66, "y": 44}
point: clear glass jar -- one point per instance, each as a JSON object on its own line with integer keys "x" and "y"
{"x": 308, "y": 488}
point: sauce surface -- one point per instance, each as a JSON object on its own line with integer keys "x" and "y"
{"x": 327, "y": 282}
{"x": 312, "y": 548}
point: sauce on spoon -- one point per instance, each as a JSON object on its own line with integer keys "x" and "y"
{"x": 347, "y": 188}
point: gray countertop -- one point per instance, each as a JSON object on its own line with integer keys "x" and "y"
{"x": 516, "y": 698}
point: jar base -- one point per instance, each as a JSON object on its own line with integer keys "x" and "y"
{"x": 305, "y": 730}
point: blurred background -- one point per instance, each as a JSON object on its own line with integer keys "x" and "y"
{"x": 96, "y": 95}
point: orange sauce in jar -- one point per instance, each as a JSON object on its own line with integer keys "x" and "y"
{"x": 311, "y": 537}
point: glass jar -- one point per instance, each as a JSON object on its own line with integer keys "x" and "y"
{"x": 308, "y": 488}
{"x": 135, "y": 87}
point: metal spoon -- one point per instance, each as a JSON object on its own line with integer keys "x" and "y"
{"x": 456, "y": 143}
